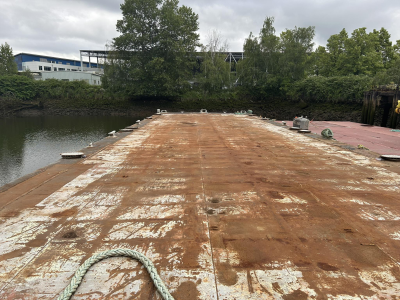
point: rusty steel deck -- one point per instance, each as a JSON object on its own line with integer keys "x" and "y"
{"x": 226, "y": 206}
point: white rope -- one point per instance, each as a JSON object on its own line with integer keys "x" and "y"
{"x": 80, "y": 273}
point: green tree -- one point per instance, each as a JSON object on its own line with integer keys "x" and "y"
{"x": 260, "y": 69}
{"x": 334, "y": 63}
{"x": 249, "y": 68}
{"x": 362, "y": 57}
{"x": 215, "y": 72}
{"x": 389, "y": 76}
{"x": 8, "y": 65}
{"x": 362, "y": 53}
{"x": 272, "y": 63}
{"x": 320, "y": 59}
{"x": 385, "y": 47}
{"x": 269, "y": 47}
{"x": 296, "y": 46}
{"x": 154, "y": 53}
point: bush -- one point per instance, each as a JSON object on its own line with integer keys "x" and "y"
{"x": 331, "y": 89}
{"x": 21, "y": 87}
{"x": 55, "y": 92}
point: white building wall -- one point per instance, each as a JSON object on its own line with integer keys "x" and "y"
{"x": 91, "y": 78}
{"x": 38, "y": 66}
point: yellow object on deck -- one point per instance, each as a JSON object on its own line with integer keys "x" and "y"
{"x": 397, "y": 110}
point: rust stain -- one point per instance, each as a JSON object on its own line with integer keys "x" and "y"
{"x": 226, "y": 274}
{"x": 65, "y": 213}
{"x": 187, "y": 288}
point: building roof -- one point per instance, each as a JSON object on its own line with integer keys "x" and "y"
{"x": 46, "y": 56}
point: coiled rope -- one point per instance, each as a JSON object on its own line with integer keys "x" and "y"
{"x": 80, "y": 273}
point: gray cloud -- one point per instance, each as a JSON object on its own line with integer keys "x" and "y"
{"x": 63, "y": 27}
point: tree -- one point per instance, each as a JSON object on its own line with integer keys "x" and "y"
{"x": 249, "y": 68}
{"x": 8, "y": 65}
{"x": 274, "y": 62}
{"x": 389, "y": 76}
{"x": 296, "y": 47}
{"x": 320, "y": 59}
{"x": 360, "y": 54}
{"x": 362, "y": 57}
{"x": 385, "y": 47}
{"x": 215, "y": 72}
{"x": 334, "y": 63}
{"x": 269, "y": 46}
{"x": 153, "y": 56}
{"x": 261, "y": 66}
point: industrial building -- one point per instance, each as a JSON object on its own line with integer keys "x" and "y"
{"x": 46, "y": 67}
{"x": 89, "y": 77}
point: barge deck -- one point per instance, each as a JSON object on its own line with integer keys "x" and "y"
{"x": 226, "y": 207}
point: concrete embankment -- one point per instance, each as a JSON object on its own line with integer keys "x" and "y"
{"x": 226, "y": 206}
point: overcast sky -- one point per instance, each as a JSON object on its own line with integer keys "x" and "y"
{"x": 63, "y": 27}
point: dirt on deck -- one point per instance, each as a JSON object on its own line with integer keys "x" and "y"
{"x": 226, "y": 206}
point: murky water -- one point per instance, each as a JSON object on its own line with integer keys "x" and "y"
{"x": 30, "y": 143}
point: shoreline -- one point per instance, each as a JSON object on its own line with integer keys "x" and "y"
{"x": 274, "y": 109}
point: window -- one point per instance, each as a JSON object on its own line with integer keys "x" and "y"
{"x": 55, "y": 69}
{"x": 94, "y": 81}
{"x": 43, "y": 60}
{"x": 60, "y": 62}
{"x": 68, "y": 69}
{"x": 47, "y": 68}
{"x": 68, "y": 64}
{"x": 40, "y": 68}
{"x": 61, "y": 69}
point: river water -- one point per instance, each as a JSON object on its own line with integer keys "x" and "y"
{"x": 30, "y": 143}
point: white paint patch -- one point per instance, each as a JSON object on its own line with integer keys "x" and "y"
{"x": 352, "y": 188}
{"x": 164, "y": 199}
{"x": 240, "y": 197}
{"x": 16, "y": 232}
{"x": 8, "y": 266}
{"x": 278, "y": 282}
{"x": 378, "y": 214}
{"x": 139, "y": 230}
{"x": 48, "y": 277}
{"x": 294, "y": 211}
{"x": 357, "y": 201}
{"x": 395, "y": 236}
{"x": 153, "y": 212}
{"x": 288, "y": 198}
{"x": 168, "y": 184}
{"x": 63, "y": 196}
{"x": 382, "y": 282}
{"x": 101, "y": 205}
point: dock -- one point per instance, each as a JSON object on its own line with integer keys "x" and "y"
{"x": 226, "y": 206}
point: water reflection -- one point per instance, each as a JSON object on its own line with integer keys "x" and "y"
{"x": 30, "y": 143}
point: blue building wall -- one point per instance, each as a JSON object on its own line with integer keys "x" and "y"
{"x": 25, "y": 57}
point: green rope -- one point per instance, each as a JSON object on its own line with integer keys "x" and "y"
{"x": 80, "y": 273}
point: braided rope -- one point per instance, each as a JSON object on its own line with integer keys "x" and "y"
{"x": 80, "y": 273}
